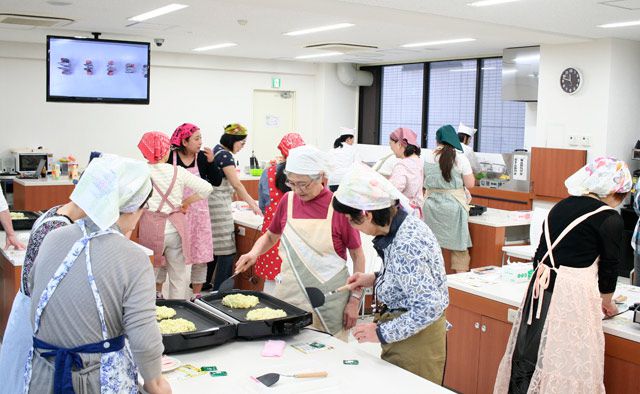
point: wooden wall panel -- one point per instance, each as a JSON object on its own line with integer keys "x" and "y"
{"x": 550, "y": 167}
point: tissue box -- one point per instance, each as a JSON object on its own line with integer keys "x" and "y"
{"x": 517, "y": 272}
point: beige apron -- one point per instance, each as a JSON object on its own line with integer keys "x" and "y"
{"x": 222, "y": 224}
{"x": 310, "y": 260}
{"x": 458, "y": 194}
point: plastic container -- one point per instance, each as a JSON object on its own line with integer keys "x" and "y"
{"x": 255, "y": 171}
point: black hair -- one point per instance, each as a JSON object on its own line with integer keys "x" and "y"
{"x": 462, "y": 137}
{"x": 281, "y": 178}
{"x": 340, "y": 140}
{"x": 411, "y": 150}
{"x": 180, "y": 148}
{"x": 380, "y": 217}
{"x": 446, "y": 159}
{"x": 227, "y": 140}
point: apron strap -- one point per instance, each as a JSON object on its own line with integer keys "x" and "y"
{"x": 543, "y": 272}
{"x": 66, "y": 359}
{"x": 164, "y": 197}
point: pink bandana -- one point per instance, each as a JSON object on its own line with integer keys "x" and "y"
{"x": 288, "y": 142}
{"x": 405, "y": 136}
{"x": 154, "y": 145}
{"x": 183, "y": 132}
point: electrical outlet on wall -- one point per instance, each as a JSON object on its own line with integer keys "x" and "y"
{"x": 573, "y": 140}
{"x": 585, "y": 140}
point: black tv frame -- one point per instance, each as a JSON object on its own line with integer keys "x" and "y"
{"x": 108, "y": 100}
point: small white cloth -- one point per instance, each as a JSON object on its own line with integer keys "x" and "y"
{"x": 341, "y": 160}
{"x": 111, "y": 185}
{"x": 363, "y": 188}
{"x": 307, "y": 160}
{"x": 3, "y": 202}
{"x": 464, "y": 129}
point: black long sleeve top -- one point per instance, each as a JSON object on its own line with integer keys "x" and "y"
{"x": 599, "y": 235}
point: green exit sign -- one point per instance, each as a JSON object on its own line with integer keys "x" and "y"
{"x": 276, "y": 83}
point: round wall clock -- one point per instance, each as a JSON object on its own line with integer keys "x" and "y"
{"x": 570, "y": 80}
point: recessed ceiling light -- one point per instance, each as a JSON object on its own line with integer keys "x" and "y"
{"x": 328, "y": 54}
{"x": 216, "y": 46}
{"x": 157, "y": 12}
{"x": 59, "y": 3}
{"x": 79, "y": 37}
{"x": 319, "y": 29}
{"x": 619, "y": 24}
{"x": 485, "y": 3}
{"x": 527, "y": 59}
{"x": 443, "y": 42}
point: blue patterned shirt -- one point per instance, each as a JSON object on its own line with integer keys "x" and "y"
{"x": 635, "y": 239}
{"x": 412, "y": 278}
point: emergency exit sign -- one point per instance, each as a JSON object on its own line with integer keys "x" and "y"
{"x": 276, "y": 83}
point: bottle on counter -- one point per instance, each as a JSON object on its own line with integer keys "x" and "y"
{"x": 55, "y": 171}
{"x": 253, "y": 161}
{"x": 74, "y": 174}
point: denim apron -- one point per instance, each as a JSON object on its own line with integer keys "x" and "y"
{"x": 17, "y": 336}
{"x": 118, "y": 373}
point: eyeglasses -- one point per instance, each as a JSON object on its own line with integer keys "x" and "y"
{"x": 298, "y": 185}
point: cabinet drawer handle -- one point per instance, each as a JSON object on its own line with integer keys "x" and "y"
{"x": 477, "y": 325}
{"x": 484, "y": 328}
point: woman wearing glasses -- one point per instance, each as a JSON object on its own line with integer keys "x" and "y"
{"x": 314, "y": 240}
{"x": 226, "y": 182}
{"x": 163, "y": 224}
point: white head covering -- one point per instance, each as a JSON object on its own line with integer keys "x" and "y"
{"x": 602, "y": 176}
{"x": 112, "y": 185}
{"x": 307, "y": 160}
{"x": 464, "y": 129}
{"x": 363, "y": 188}
{"x": 346, "y": 131}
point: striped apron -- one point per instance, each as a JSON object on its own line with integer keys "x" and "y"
{"x": 222, "y": 224}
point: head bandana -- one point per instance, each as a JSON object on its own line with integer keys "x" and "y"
{"x": 464, "y": 129}
{"x": 183, "y": 132}
{"x": 154, "y": 145}
{"x": 112, "y": 185}
{"x": 365, "y": 189}
{"x": 447, "y": 135}
{"x": 307, "y": 160}
{"x": 235, "y": 129}
{"x": 288, "y": 142}
{"x": 405, "y": 136}
{"x": 602, "y": 176}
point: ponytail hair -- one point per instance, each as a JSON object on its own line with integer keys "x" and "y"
{"x": 411, "y": 150}
{"x": 446, "y": 159}
{"x": 340, "y": 140}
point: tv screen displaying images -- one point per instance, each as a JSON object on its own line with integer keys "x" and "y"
{"x": 90, "y": 70}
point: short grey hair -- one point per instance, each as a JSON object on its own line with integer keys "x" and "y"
{"x": 314, "y": 177}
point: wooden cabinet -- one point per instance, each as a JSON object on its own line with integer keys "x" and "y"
{"x": 551, "y": 167}
{"x": 475, "y": 346}
{"x": 40, "y": 198}
{"x": 247, "y": 280}
{"x": 501, "y": 199}
{"x": 252, "y": 188}
{"x": 9, "y": 285}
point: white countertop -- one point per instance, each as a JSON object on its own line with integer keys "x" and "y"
{"x": 16, "y": 257}
{"x": 48, "y": 181}
{"x": 248, "y": 177}
{"x": 242, "y": 359}
{"x": 490, "y": 286}
{"x": 502, "y": 218}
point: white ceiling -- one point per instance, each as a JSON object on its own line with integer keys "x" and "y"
{"x": 386, "y": 24}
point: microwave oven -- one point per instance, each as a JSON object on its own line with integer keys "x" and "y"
{"x": 28, "y": 161}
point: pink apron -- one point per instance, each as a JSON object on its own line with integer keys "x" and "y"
{"x": 152, "y": 225}
{"x": 198, "y": 225}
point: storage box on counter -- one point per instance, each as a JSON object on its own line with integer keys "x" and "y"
{"x": 516, "y": 272}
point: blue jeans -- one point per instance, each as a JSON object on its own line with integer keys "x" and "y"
{"x": 223, "y": 266}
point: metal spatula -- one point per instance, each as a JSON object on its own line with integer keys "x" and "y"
{"x": 270, "y": 379}
{"x": 228, "y": 283}
{"x": 317, "y": 297}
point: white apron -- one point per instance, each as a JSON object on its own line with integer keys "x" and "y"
{"x": 309, "y": 259}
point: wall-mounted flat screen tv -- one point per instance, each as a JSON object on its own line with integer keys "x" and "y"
{"x": 104, "y": 71}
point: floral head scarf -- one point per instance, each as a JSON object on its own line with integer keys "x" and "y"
{"x": 288, "y": 142}
{"x": 363, "y": 188}
{"x": 235, "y": 129}
{"x": 154, "y": 145}
{"x": 183, "y": 132}
{"x": 112, "y": 185}
{"x": 602, "y": 176}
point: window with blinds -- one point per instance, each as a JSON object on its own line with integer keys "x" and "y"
{"x": 452, "y": 95}
{"x": 401, "y": 103}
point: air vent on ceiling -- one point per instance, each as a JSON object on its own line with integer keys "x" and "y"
{"x": 32, "y": 21}
{"x": 341, "y": 47}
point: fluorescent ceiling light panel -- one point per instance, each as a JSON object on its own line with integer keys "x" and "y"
{"x": 157, "y": 12}
{"x": 216, "y": 46}
{"x": 328, "y": 54}
{"x": 319, "y": 29}
{"x": 619, "y": 24}
{"x": 434, "y": 43}
{"x": 486, "y": 3}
